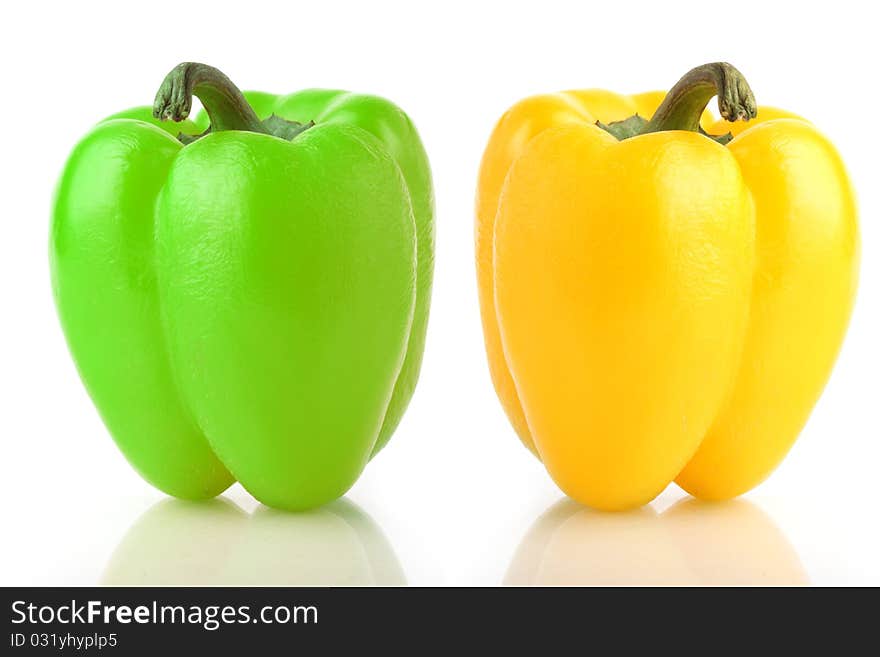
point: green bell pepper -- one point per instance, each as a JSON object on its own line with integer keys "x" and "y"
{"x": 248, "y": 303}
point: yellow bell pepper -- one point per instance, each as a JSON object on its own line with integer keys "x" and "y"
{"x": 660, "y": 304}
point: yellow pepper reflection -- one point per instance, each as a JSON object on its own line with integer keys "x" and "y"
{"x": 691, "y": 543}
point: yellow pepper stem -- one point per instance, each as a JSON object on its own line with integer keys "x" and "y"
{"x": 686, "y": 101}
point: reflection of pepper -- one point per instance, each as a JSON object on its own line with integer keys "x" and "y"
{"x": 692, "y": 543}
{"x": 658, "y": 305}
{"x": 214, "y": 542}
{"x": 249, "y": 303}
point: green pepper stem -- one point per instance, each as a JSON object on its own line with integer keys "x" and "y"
{"x": 686, "y": 101}
{"x": 222, "y": 100}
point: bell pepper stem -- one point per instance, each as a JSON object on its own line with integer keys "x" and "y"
{"x": 686, "y": 101}
{"x": 222, "y": 100}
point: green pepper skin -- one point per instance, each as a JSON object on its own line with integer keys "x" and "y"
{"x": 246, "y": 307}
{"x": 395, "y": 130}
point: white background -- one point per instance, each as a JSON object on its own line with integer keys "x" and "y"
{"x": 454, "y": 494}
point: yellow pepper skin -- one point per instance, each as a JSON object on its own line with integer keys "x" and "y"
{"x": 519, "y": 125}
{"x": 659, "y": 304}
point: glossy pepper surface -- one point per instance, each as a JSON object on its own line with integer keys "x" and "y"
{"x": 658, "y": 303}
{"x": 248, "y": 302}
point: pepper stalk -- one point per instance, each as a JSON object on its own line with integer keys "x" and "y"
{"x": 685, "y": 103}
{"x": 226, "y": 106}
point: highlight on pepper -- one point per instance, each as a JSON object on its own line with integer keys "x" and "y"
{"x": 245, "y": 294}
{"x": 663, "y": 294}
